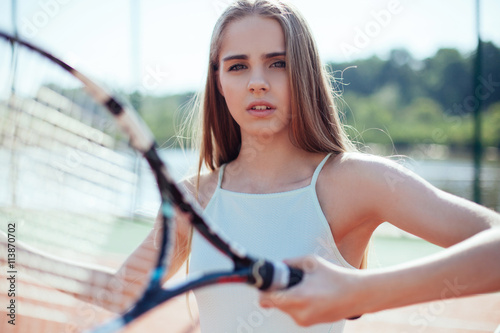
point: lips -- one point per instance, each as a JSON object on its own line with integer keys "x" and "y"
{"x": 261, "y": 108}
{"x": 260, "y": 105}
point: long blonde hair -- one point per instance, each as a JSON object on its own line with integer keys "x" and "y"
{"x": 315, "y": 124}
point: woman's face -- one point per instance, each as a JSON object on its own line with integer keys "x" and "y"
{"x": 252, "y": 76}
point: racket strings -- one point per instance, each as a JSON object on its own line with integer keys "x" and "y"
{"x": 77, "y": 152}
{"x": 115, "y": 294}
{"x": 38, "y": 300}
{"x": 69, "y": 183}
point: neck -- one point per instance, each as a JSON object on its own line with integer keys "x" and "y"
{"x": 270, "y": 165}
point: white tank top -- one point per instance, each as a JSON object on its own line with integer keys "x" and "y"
{"x": 274, "y": 226}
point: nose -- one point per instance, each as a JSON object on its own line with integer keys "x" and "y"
{"x": 258, "y": 82}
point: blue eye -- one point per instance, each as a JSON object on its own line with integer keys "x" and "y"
{"x": 279, "y": 64}
{"x": 236, "y": 67}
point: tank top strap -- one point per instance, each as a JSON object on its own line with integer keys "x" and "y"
{"x": 318, "y": 170}
{"x": 221, "y": 175}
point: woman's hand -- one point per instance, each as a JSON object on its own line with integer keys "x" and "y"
{"x": 327, "y": 293}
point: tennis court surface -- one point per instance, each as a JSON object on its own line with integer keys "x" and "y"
{"x": 466, "y": 315}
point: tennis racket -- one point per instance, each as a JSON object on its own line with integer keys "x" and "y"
{"x": 69, "y": 158}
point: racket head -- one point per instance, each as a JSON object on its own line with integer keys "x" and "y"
{"x": 75, "y": 185}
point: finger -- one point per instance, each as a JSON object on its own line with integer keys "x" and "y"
{"x": 266, "y": 302}
{"x": 308, "y": 263}
{"x": 297, "y": 261}
{"x": 272, "y": 299}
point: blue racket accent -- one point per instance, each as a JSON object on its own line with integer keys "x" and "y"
{"x": 158, "y": 273}
{"x": 112, "y": 326}
{"x": 167, "y": 210}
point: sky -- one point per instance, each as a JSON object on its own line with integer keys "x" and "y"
{"x": 161, "y": 46}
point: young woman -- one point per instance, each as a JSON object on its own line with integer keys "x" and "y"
{"x": 284, "y": 180}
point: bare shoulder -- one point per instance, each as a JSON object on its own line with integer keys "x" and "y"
{"x": 367, "y": 184}
{"x": 353, "y": 189}
{"x": 366, "y": 169}
{"x": 203, "y": 191}
{"x": 348, "y": 160}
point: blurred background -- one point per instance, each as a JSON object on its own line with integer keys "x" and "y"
{"x": 418, "y": 81}
{"x": 412, "y": 84}
{"x": 407, "y": 71}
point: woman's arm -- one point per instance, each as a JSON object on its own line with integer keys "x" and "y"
{"x": 329, "y": 293}
{"x": 384, "y": 191}
{"x": 357, "y": 192}
{"x": 92, "y": 282}
{"x": 394, "y": 194}
{"x": 121, "y": 289}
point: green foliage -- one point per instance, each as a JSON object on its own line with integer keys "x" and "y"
{"x": 406, "y": 101}
{"x": 164, "y": 116}
{"x": 491, "y": 128}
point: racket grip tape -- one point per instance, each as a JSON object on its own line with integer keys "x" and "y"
{"x": 275, "y": 275}
{"x": 296, "y": 275}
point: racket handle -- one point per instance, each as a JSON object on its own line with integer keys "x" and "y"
{"x": 277, "y": 275}
{"x": 296, "y": 275}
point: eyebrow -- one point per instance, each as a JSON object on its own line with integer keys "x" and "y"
{"x": 245, "y": 57}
